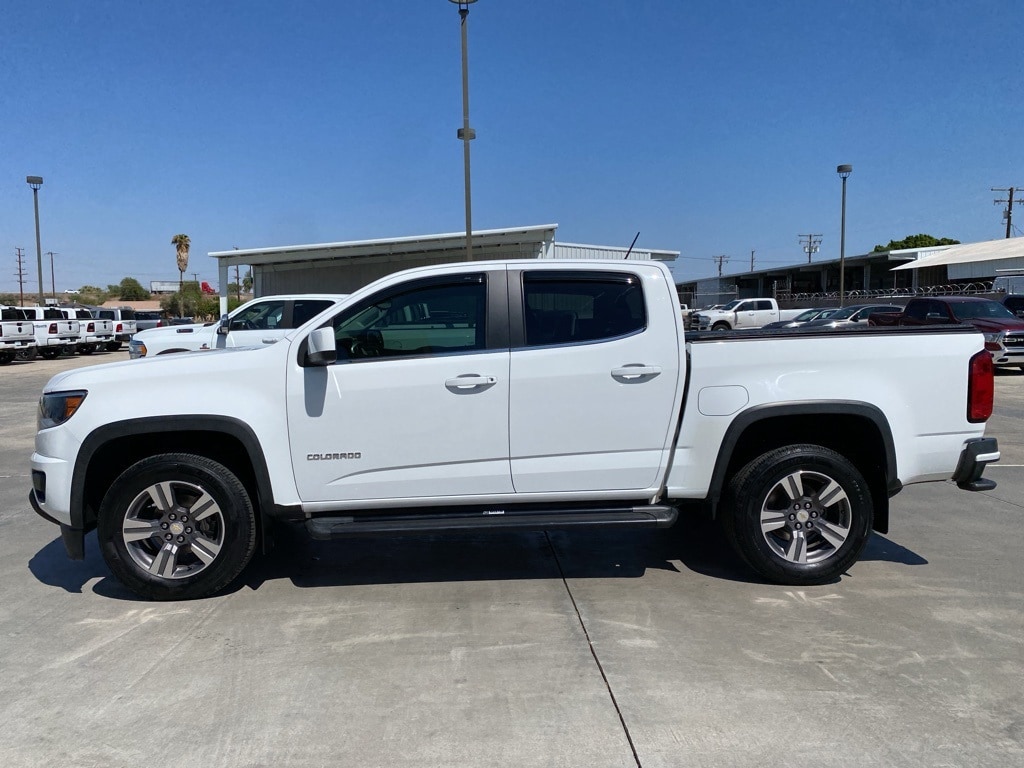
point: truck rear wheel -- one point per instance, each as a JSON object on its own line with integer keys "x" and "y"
{"x": 798, "y": 515}
{"x": 6, "y": 356}
{"x": 176, "y": 527}
{"x": 113, "y": 346}
{"x": 86, "y": 349}
{"x": 50, "y": 353}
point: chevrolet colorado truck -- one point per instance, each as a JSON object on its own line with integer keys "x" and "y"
{"x": 260, "y": 321}
{"x": 503, "y": 395}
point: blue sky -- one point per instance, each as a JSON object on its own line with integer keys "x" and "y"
{"x": 709, "y": 127}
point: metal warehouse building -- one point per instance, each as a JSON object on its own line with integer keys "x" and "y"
{"x": 344, "y": 267}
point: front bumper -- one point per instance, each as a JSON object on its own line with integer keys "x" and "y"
{"x": 976, "y": 455}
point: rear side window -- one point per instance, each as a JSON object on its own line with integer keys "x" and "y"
{"x": 305, "y": 310}
{"x": 561, "y": 308}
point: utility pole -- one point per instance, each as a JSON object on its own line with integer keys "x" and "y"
{"x": 811, "y": 245}
{"x": 53, "y": 283}
{"x": 1008, "y": 213}
{"x": 751, "y": 259}
{"x": 21, "y": 277}
{"x": 720, "y": 260}
{"x": 238, "y": 285}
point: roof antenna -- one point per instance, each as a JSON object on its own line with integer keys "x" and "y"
{"x": 631, "y": 245}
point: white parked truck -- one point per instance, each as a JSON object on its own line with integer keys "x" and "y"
{"x": 17, "y": 335}
{"x": 502, "y": 395}
{"x": 93, "y": 332}
{"x": 260, "y": 321}
{"x": 55, "y": 334}
{"x": 743, "y": 314}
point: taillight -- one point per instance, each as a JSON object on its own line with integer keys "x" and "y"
{"x": 980, "y": 387}
{"x": 120, "y": 328}
{"x": 91, "y": 328}
{"x": 159, "y": 323}
{"x": 53, "y": 328}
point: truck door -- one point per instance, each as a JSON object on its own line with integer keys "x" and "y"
{"x": 594, "y": 381}
{"x": 416, "y": 404}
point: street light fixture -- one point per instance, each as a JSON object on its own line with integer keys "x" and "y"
{"x": 844, "y": 171}
{"x": 465, "y": 133}
{"x": 36, "y": 182}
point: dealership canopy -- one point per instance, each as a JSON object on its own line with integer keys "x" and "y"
{"x": 989, "y": 250}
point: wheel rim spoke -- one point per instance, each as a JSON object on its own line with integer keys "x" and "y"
{"x": 164, "y": 561}
{"x": 162, "y": 495}
{"x": 793, "y": 486}
{"x": 831, "y": 494}
{"x": 204, "y": 506}
{"x": 772, "y": 520}
{"x": 797, "y": 549}
{"x": 205, "y": 549}
{"x": 832, "y": 533}
{"x": 139, "y": 530}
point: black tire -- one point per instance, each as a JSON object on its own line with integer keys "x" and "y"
{"x": 798, "y": 515}
{"x": 113, "y": 346}
{"x": 50, "y": 353}
{"x": 721, "y": 327}
{"x": 86, "y": 349}
{"x": 7, "y": 356}
{"x": 196, "y": 501}
{"x": 28, "y": 354}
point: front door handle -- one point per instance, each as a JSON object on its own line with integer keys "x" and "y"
{"x": 636, "y": 371}
{"x": 470, "y": 381}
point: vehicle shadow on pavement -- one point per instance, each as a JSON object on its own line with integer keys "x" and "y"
{"x": 51, "y": 566}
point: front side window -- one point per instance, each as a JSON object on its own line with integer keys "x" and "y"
{"x": 264, "y": 316}
{"x": 432, "y": 319}
{"x": 565, "y": 309}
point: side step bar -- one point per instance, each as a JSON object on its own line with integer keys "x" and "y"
{"x": 652, "y": 516}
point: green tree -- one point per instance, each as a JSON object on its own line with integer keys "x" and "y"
{"x": 181, "y": 245}
{"x": 130, "y": 289}
{"x": 915, "y": 241}
{"x": 91, "y": 294}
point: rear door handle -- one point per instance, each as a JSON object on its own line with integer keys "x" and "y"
{"x": 636, "y": 371}
{"x": 470, "y": 381}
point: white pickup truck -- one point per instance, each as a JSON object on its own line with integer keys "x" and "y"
{"x": 498, "y": 395}
{"x": 55, "y": 334}
{"x": 17, "y": 335}
{"x": 743, "y": 314}
{"x": 93, "y": 333}
{"x": 260, "y": 321}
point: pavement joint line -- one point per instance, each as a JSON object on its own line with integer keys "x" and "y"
{"x": 593, "y": 651}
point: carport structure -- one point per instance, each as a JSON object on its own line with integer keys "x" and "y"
{"x": 343, "y": 267}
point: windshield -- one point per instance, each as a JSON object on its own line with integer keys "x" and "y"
{"x": 731, "y": 305}
{"x": 968, "y": 310}
{"x": 809, "y": 314}
{"x": 843, "y": 314}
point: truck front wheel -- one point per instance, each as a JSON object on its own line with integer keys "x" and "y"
{"x": 798, "y": 515}
{"x": 176, "y": 526}
{"x": 721, "y": 326}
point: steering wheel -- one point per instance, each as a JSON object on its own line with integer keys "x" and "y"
{"x": 368, "y": 344}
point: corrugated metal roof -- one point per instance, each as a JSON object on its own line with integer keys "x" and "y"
{"x": 988, "y": 250}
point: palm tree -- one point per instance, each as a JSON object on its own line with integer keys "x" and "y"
{"x": 181, "y": 243}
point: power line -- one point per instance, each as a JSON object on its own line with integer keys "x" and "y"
{"x": 20, "y": 274}
{"x": 720, "y": 260}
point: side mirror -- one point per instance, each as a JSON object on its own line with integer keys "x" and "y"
{"x": 322, "y": 349}
{"x": 224, "y": 326}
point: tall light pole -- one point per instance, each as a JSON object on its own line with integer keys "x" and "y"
{"x": 844, "y": 171}
{"x": 466, "y": 133}
{"x": 36, "y": 182}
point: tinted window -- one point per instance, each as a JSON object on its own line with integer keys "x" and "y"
{"x": 305, "y": 310}
{"x": 918, "y": 310}
{"x": 105, "y": 314}
{"x": 264, "y": 316}
{"x": 765, "y": 304}
{"x": 966, "y": 310}
{"x": 593, "y": 306}
{"x": 53, "y": 314}
{"x": 435, "y": 318}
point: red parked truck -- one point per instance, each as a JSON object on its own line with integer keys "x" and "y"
{"x": 1004, "y": 331}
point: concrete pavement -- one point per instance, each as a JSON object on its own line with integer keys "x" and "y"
{"x": 528, "y": 649}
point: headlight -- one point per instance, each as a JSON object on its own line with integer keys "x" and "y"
{"x": 57, "y": 407}
{"x": 137, "y": 348}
